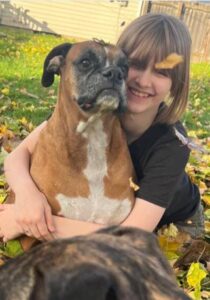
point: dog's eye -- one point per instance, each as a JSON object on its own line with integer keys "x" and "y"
{"x": 124, "y": 68}
{"x": 85, "y": 63}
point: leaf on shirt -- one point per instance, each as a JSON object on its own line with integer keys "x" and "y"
{"x": 170, "y": 61}
{"x": 134, "y": 186}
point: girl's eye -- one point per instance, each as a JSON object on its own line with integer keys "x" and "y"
{"x": 136, "y": 64}
{"x": 161, "y": 72}
{"x": 86, "y": 63}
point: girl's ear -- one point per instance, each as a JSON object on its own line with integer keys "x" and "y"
{"x": 53, "y": 62}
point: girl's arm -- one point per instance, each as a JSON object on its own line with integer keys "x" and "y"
{"x": 33, "y": 213}
{"x": 145, "y": 215}
{"x": 19, "y": 159}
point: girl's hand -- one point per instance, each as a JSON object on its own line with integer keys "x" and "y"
{"x": 33, "y": 214}
{"x": 9, "y": 229}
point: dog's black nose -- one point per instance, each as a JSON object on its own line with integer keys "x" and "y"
{"x": 114, "y": 74}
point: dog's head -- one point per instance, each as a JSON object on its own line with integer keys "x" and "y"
{"x": 92, "y": 73}
{"x": 115, "y": 263}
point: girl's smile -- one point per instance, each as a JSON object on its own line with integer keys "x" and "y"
{"x": 138, "y": 93}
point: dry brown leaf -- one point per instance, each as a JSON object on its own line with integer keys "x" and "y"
{"x": 169, "y": 62}
{"x": 196, "y": 251}
{"x": 134, "y": 186}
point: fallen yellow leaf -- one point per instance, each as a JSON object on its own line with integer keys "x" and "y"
{"x": 5, "y": 91}
{"x": 202, "y": 185}
{"x": 30, "y": 126}
{"x": 206, "y": 199}
{"x": 5, "y": 132}
{"x": 23, "y": 121}
{"x": 170, "y": 62}
{"x": 171, "y": 231}
{"x": 207, "y": 226}
{"x": 168, "y": 245}
{"x": 195, "y": 275}
{"x": 2, "y": 197}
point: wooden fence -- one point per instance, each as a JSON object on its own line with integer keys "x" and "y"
{"x": 195, "y": 15}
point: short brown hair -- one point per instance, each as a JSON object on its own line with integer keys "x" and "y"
{"x": 151, "y": 38}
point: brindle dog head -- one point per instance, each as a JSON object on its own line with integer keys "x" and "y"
{"x": 116, "y": 263}
{"x": 91, "y": 72}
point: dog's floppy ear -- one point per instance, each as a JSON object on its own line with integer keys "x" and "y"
{"x": 52, "y": 63}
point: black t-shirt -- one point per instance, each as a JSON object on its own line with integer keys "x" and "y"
{"x": 159, "y": 159}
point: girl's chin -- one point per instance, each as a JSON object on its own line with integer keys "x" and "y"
{"x": 135, "y": 107}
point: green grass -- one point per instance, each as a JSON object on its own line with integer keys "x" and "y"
{"x": 197, "y": 115}
{"x": 22, "y": 54}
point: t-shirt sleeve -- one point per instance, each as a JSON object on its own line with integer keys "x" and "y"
{"x": 163, "y": 172}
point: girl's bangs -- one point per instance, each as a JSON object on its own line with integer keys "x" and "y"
{"x": 152, "y": 49}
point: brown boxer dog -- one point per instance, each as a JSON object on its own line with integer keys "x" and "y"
{"x": 81, "y": 161}
{"x": 115, "y": 263}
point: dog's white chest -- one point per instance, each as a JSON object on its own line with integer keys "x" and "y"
{"x": 97, "y": 207}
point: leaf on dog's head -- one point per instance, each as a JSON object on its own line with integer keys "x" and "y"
{"x": 170, "y": 61}
{"x": 134, "y": 186}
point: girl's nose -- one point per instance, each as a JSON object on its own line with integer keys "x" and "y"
{"x": 144, "y": 78}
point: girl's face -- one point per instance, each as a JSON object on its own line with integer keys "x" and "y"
{"x": 146, "y": 89}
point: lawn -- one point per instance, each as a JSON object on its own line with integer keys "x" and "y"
{"x": 24, "y": 104}
{"x": 21, "y": 60}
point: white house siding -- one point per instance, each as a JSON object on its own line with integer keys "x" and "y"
{"x": 82, "y": 19}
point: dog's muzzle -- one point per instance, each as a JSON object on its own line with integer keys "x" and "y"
{"x": 110, "y": 93}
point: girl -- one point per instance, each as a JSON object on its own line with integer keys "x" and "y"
{"x": 166, "y": 194}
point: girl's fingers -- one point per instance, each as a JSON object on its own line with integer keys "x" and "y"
{"x": 34, "y": 232}
{"x": 43, "y": 230}
{"x": 49, "y": 220}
